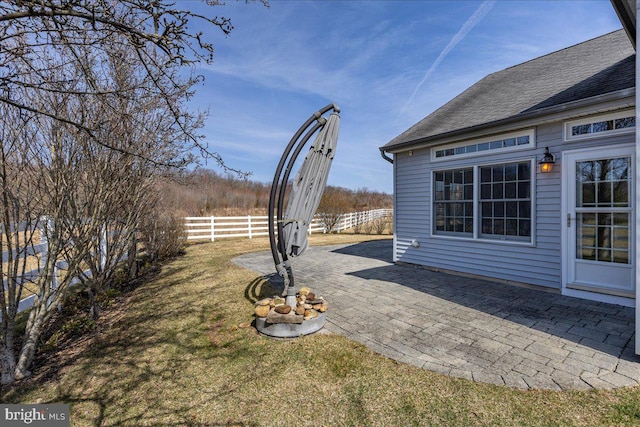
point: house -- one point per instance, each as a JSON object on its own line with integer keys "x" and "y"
{"x": 473, "y": 194}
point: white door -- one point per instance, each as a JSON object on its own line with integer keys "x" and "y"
{"x": 599, "y": 216}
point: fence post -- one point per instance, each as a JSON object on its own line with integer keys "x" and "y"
{"x": 45, "y": 230}
{"x": 102, "y": 240}
{"x": 213, "y": 230}
{"x": 249, "y": 224}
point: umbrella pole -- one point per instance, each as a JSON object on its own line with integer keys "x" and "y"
{"x": 291, "y": 299}
{"x": 289, "y": 282}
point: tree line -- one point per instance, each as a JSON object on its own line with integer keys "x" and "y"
{"x": 206, "y": 193}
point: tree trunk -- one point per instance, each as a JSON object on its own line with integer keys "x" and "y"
{"x": 95, "y": 309}
{"x": 7, "y": 356}
{"x": 31, "y": 336}
{"x": 132, "y": 268}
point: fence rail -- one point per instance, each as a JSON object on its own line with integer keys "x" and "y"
{"x": 41, "y": 250}
{"x": 218, "y": 227}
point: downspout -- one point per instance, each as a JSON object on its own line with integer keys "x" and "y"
{"x": 390, "y": 160}
{"x": 384, "y": 156}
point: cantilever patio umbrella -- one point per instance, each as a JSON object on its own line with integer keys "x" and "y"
{"x": 307, "y": 188}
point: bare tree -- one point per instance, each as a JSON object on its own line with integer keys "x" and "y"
{"x": 86, "y": 193}
{"x": 91, "y": 113}
{"x": 122, "y": 183}
{"x": 20, "y": 221}
{"x": 38, "y": 186}
{"x": 335, "y": 202}
{"x": 39, "y": 34}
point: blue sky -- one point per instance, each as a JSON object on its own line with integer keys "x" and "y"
{"x": 387, "y": 64}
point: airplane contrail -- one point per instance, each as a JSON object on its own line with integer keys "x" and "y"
{"x": 477, "y": 16}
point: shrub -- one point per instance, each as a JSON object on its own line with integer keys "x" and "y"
{"x": 78, "y": 326}
{"x": 379, "y": 224}
{"x": 164, "y": 236}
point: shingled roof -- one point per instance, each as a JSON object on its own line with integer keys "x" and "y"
{"x": 598, "y": 66}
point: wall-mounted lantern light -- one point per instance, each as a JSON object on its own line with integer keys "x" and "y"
{"x": 547, "y": 162}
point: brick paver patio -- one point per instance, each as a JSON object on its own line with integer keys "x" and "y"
{"x": 476, "y": 329}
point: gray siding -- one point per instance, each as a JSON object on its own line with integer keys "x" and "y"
{"x": 538, "y": 264}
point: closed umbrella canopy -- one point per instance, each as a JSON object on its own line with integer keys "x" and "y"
{"x": 308, "y": 186}
{"x": 291, "y": 224}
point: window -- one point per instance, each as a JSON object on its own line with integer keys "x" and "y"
{"x": 484, "y": 202}
{"x": 607, "y": 124}
{"x": 454, "y": 201}
{"x": 505, "y": 200}
{"x": 512, "y": 141}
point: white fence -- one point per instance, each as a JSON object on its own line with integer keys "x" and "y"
{"x": 41, "y": 250}
{"x": 217, "y": 227}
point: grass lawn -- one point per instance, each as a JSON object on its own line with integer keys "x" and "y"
{"x": 176, "y": 351}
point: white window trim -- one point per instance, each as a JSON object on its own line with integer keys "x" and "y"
{"x": 568, "y": 125}
{"x": 476, "y": 206}
{"x": 525, "y": 132}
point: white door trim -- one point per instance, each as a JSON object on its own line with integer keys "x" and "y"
{"x": 567, "y": 183}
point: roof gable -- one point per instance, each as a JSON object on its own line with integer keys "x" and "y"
{"x": 598, "y": 66}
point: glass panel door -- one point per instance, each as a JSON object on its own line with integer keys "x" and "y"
{"x": 600, "y": 221}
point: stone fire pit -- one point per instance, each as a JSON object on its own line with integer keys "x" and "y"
{"x": 277, "y": 319}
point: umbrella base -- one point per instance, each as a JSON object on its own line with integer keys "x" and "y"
{"x": 290, "y": 330}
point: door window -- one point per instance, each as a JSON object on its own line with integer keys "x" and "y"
{"x": 603, "y": 212}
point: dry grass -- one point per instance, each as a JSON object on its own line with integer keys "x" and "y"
{"x": 176, "y": 353}
{"x": 31, "y": 262}
{"x": 34, "y": 238}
